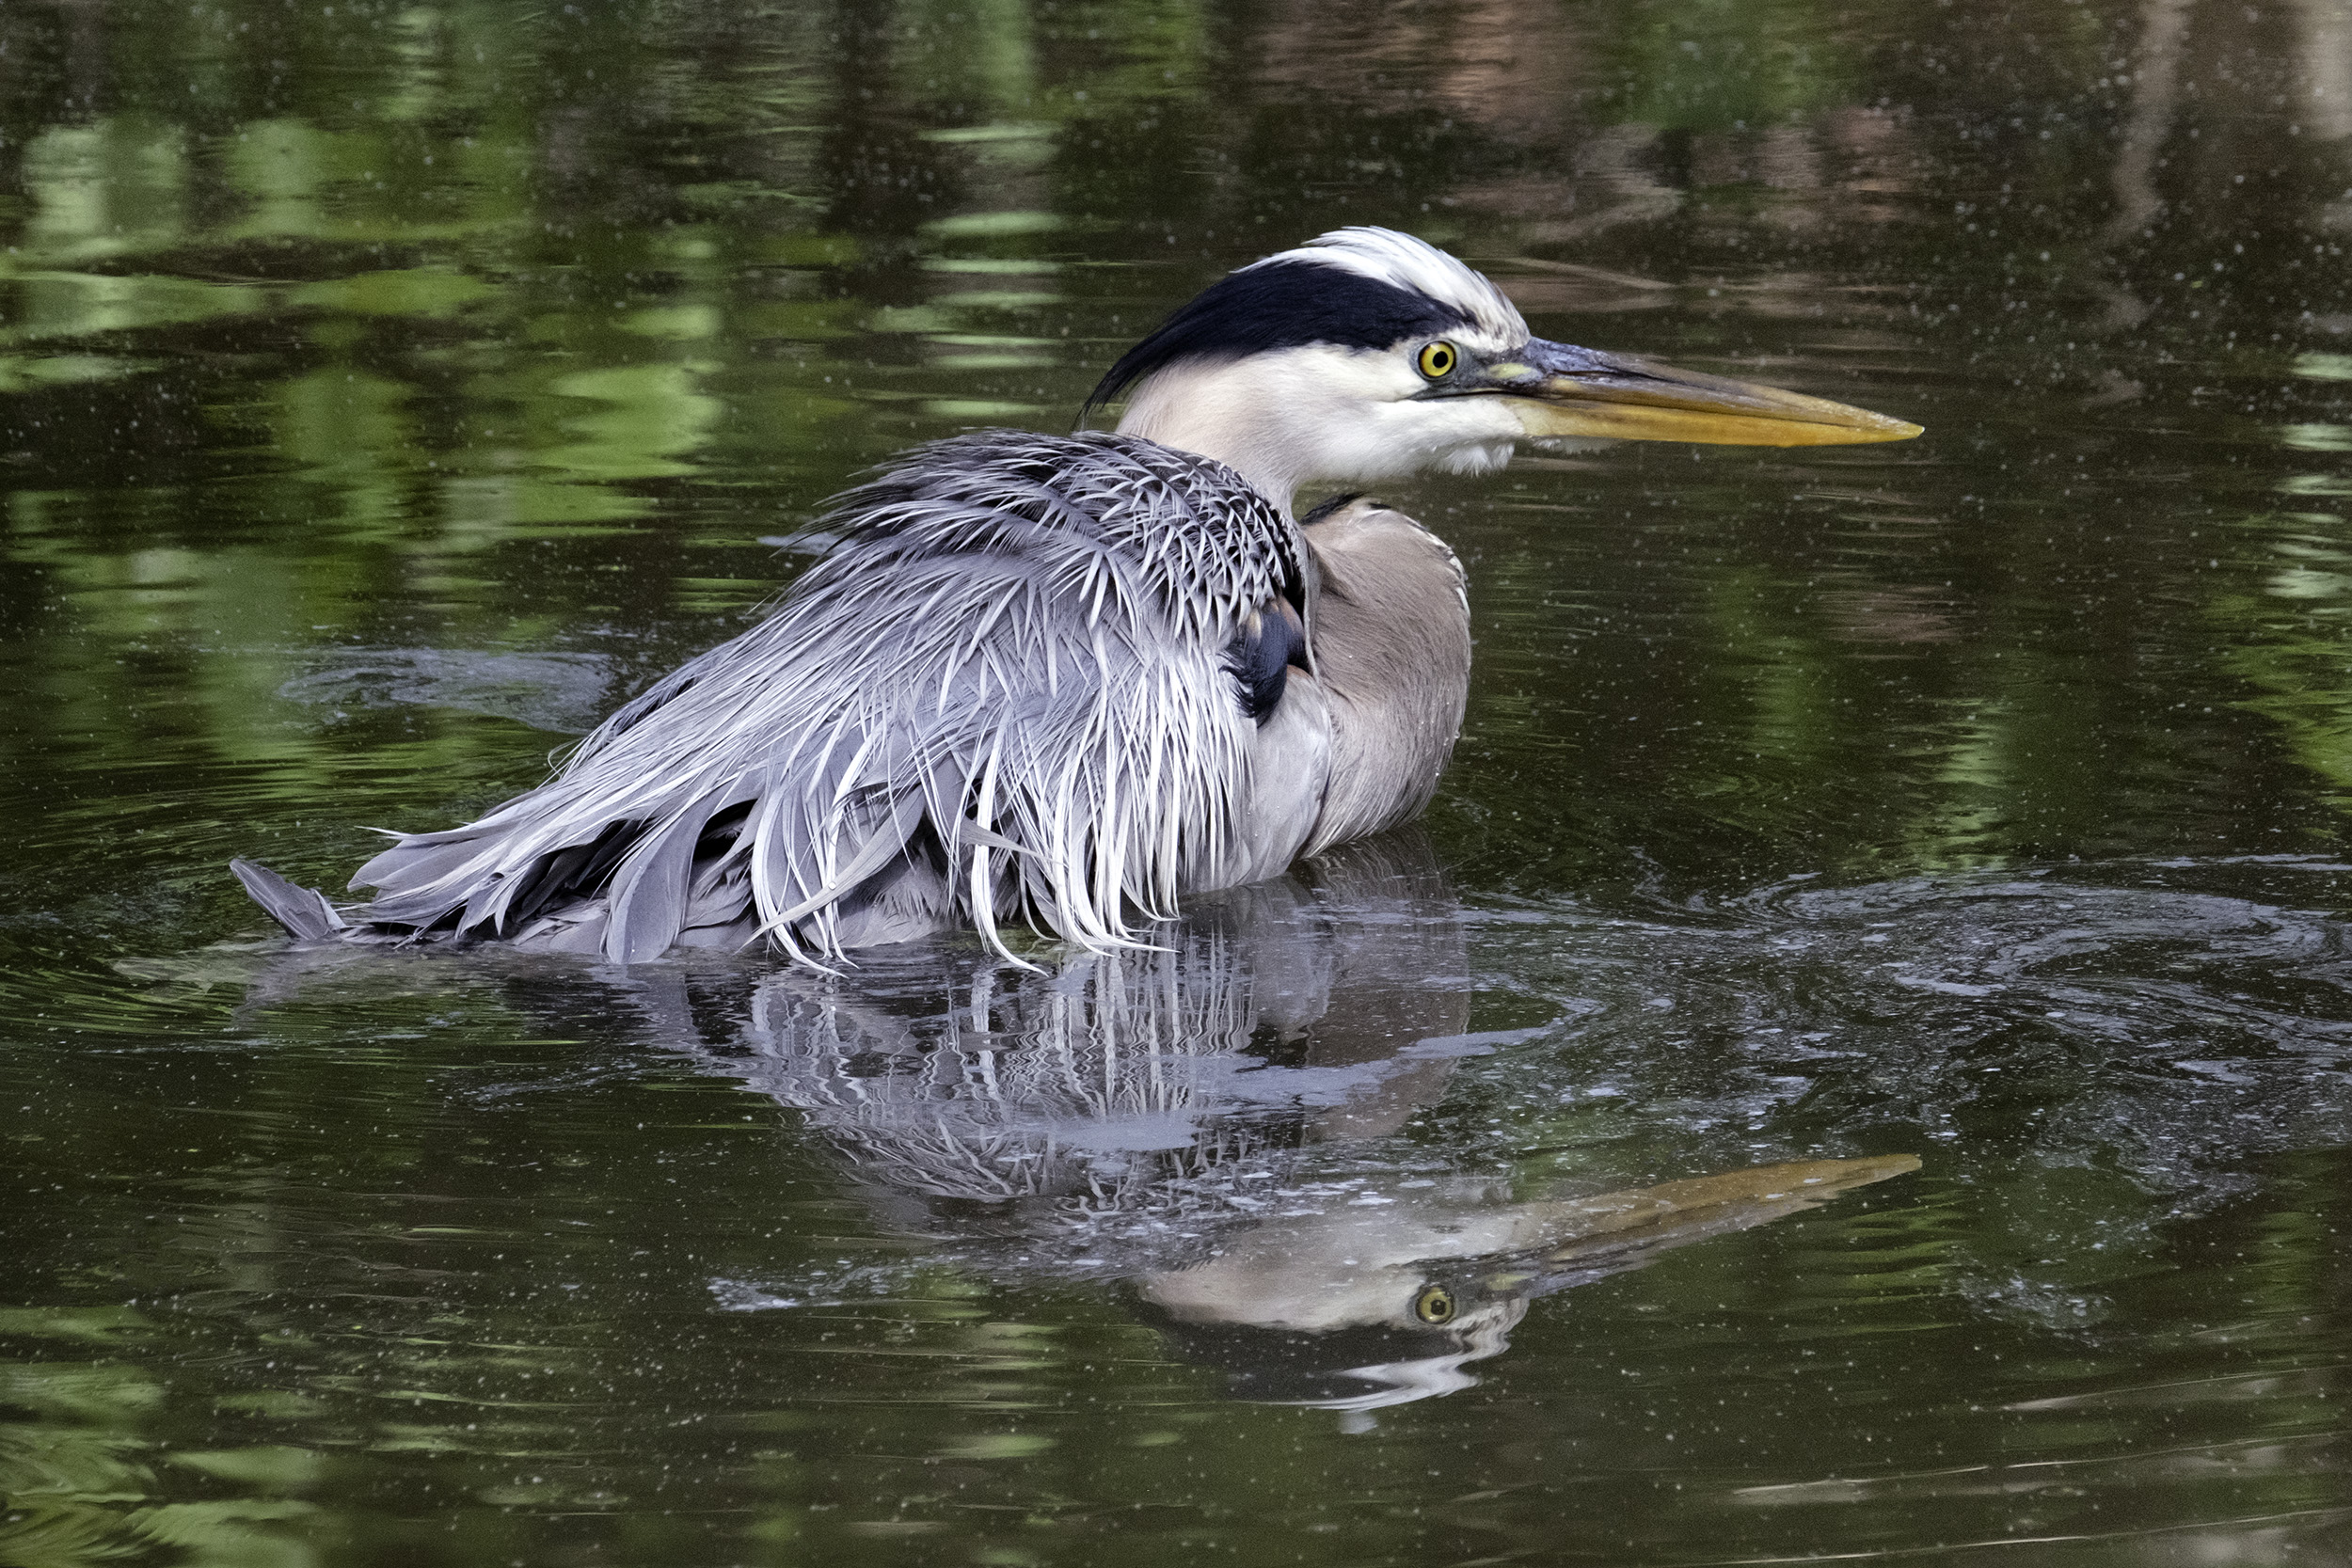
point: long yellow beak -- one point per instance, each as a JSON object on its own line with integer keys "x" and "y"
{"x": 1558, "y": 390}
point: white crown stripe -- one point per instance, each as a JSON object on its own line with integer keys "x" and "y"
{"x": 1409, "y": 263}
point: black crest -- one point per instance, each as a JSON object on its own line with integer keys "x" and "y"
{"x": 1276, "y": 305}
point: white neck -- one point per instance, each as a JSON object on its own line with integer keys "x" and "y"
{"x": 1319, "y": 413}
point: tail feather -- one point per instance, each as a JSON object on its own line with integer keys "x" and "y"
{"x": 304, "y": 911}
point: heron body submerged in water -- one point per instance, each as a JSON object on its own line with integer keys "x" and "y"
{"x": 1069, "y": 679}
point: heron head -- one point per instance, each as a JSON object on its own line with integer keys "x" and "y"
{"x": 1366, "y": 355}
{"x": 1411, "y": 1342}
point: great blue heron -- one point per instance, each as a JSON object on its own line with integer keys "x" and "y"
{"x": 1068, "y": 679}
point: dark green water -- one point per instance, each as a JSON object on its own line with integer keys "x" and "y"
{"x": 385, "y": 392}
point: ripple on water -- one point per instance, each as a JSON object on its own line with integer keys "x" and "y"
{"x": 566, "y": 693}
{"x": 2156, "y": 1021}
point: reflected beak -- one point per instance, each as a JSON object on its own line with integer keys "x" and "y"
{"x": 1559, "y": 389}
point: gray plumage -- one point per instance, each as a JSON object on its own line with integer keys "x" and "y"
{"x": 1392, "y": 647}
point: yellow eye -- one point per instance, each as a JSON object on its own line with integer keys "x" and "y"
{"x": 1438, "y": 359}
{"x": 1435, "y": 1304}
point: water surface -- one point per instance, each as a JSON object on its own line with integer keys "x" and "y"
{"x": 386, "y": 392}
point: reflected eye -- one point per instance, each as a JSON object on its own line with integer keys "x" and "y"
{"x": 1435, "y": 1304}
{"x": 1436, "y": 360}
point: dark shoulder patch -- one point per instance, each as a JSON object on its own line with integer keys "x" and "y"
{"x": 1279, "y": 305}
{"x": 1260, "y": 653}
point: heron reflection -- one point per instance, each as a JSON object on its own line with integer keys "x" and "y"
{"x": 1196, "y": 1122}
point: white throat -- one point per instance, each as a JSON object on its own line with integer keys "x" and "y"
{"x": 1318, "y": 413}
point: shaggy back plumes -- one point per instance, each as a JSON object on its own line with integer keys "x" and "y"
{"x": 1038, "y": 704}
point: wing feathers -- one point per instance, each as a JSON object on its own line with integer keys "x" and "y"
{"x": 655, "y": 887}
